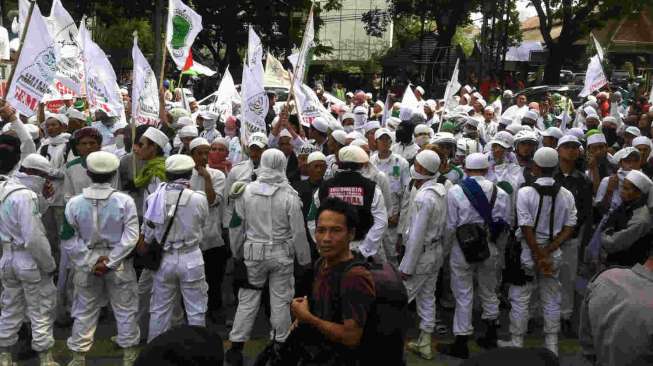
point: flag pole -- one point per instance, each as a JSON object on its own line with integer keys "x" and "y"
{"x": 164, "y": 52}
{"x": 20, "y": 49}
{"x": 133, "y": 121}
{"x": 291, "y": 94}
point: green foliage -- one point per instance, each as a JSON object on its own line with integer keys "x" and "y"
{"x": 118, "y": 35}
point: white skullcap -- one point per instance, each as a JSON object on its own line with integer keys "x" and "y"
{"x": 198, "y": 141}
{"x": 315, "y": 156}
{"x": 320, "y": 124}
{"x": 188, "y": 131}
{"x": 488, "y": 109}
{"x": 531, "y": 114}
{"x": 14, "y": 44}
{"x": 591, "y": 98}
{"x": 382, "y": 132}
{"x": 179, "y": 163}
{"x": 554, "y": 132}
{"x": 285, "y": 133}
{"x": 185, "y": 121}
{"x": 597, "y": 138}
{"x": 340, "y": 136}
{"x": 353, "y": 154}
{"x": 259, "y": 139}
{"x": 593, "y": 116}
{"x": 576, "y": 131}
{"x": 639, "y": 180}
{"x": 368, "y": 95}
{"x": 610, "y": 119}
{"x": 380, "y": 104}
{"x": 420, "y": 90}
{"x": 348, "y": 115}
{"x": 514, "y": 128}
{"x": 432, "y": 104}
{"x": 353, "y": 135}
{"x": 359, "y": 142}
{"x": 508, "y": 94}
{"x": 546, "y": 157}
{"x": 360, "y": 110}
{"x": 33, "y": 130}
{"x": 467, "y": 88}
{"x": 444, "y": 138}
{"x": 504, "y": 139}
{"x": 625, "y": 153}
{"x": 349, "y": 94}
{"x": 102, "y": 162}
{"x": 156, "y": 136}
{"x": 59, "y": 117}
{"x": 505, "y": 121}
{"x": 642, "y": 140}
{"x": 482, "y": 102}
{"x": 471, "y": 121}
{"x": 429, "y": 160}
{"x": 220, "y": 141}
{"x": 74, "y": 113}
{"x": 37, "y": 162}
{"x": 476, "y": 161}
{"x": 525, "y": 136}
{"x": 633, "y": 131}
{"x": 568, "y": 139}
{"x": 209, "y": 116}
{"x": 422, "y": 128}
{"x": 371, "y": 125}
{"x": 477, "y": 95}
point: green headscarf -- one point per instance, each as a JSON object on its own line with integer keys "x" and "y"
{"x": 153, "y": 168}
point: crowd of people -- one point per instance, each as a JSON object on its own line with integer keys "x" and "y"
{"x": 505, "y": 203}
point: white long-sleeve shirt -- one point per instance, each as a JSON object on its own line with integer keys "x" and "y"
{"x": 117, "y": 225}
{"x": 397, "y": 171}
{"x": 213, "y": 230}
{"x": 460, "y": 210}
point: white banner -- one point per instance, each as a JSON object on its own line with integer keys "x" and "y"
{"x": 23, "y": 11}
{"x": 452, "y": 88}
{"x": 275, "y": 74}
{"x": 594, "y": 78}
{"x": 311, "y": 106}
{"x": 599, "y": 49}
{"x": 102, "y": 91}
{"x": 70, "y": 71}
{"x": 408, "y": 104}
{"x": 145, "y": 92}
{"x": 255, "y": 102}
{"x": 227, "y": 95}
{"x": 183, "y": 26}
{"x": 35, "y": 68}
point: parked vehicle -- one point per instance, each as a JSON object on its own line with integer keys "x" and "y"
{"x": 537, "y": 93}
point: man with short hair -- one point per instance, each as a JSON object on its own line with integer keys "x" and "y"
{"x": 353, "y": 292}
{"x": 423, "y": 240}
{"x": 181, "y": 272}
{"x": 479, "y": 204}
{"x": 99, "y": 245}
{"x": 598, "y": 165}
{"x": 546, "y": 215}
{"x": 28, "y": 265}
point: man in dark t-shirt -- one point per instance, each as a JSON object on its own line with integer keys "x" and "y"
{"x": 342, "y": 294}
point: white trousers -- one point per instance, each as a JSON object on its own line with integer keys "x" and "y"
{"x": 462, "y": 285}
{"x": 421, "y": 286}
{"x": 549, "y": 290}
{"x": 568, "y": 274}
{"x": 27, "y": 293}
{"x": 181, "y": 273}
{"x": 278, "y": 270}
{"x": 120, "y": 287}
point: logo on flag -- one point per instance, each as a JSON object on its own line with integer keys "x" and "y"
{"x": 181, "y": 27}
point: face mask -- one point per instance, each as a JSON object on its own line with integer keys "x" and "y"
{"x": 348, "y": 128}
{"x": 120, "y": 141}
{"x": 422, "y": 140}
{"x": 230, "y": 132}
{"x": 418, "y": 176}
{"x": 217, "y": 157}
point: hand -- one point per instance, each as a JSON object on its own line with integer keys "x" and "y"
{"x": 7, "y": 112}
{"x": 201, "y": 171}
{"x": 591, "y": 160}
{"x": 299, "y": 309}
{"x": 100, "y": 267}
{"x": 48, "y": 189}
{"x": 613, "y": 183}
{"x": 404, "y": 276}
{"x": 393, "y": 220}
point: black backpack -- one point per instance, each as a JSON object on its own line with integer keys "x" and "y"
{"x": 514, "y": 273}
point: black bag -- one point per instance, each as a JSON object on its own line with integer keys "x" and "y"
{"x": 240, "y": 275}
{"x": 153, "y": 252}
{"x": 472, "y": 238}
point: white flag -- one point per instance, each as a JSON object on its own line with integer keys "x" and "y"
{"x": 306, "y": 106}
{"x": 275, "y": 74}
{"x": 594, "y": 78}
{"x": 145, "y": 92}
{"x": 597, "y": 45}
{"x": 565, "y": 118}
{"x": 183, "y": 26}
{"x": 255, "y": 103}
{"x": 307, "y": 45}
{"x": 226, "y": 96}
{"x": 70, "y": 73}
{"x": 4, "y": 43}
{"x": 35, "y": 68}
{"x": 23, "y": 11}
{"x": 102, "y": 91}
{"x": 409, "y": 104}
{"x": 452, "y": 88}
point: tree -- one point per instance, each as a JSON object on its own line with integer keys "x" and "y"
{"x": 577, "y": 19}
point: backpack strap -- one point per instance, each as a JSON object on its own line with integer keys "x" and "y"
{"x": 43, "y": 151}
{"x": 553, "y": 193}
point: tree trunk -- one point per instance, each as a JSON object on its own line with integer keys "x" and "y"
{"x": 557, "y": 56}
{"x": 157, "y": 16}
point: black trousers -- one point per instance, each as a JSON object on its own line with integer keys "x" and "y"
{"x": 215, "y": 260}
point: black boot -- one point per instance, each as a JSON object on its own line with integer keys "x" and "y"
{"x": 234, "y": 356}
{"x": 489, "y": 340}
{"x": 457, "y": 349}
